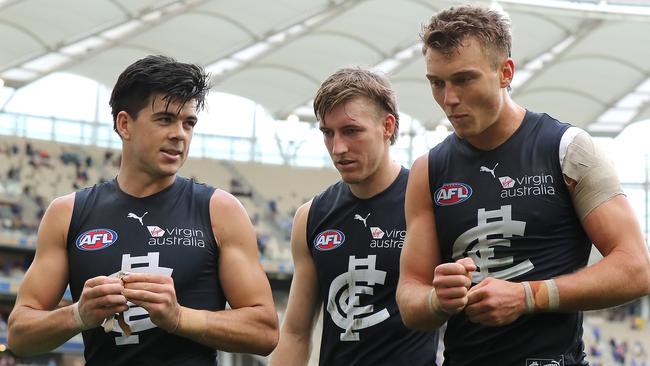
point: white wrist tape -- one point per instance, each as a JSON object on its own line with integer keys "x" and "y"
{"x": 530, "y": 300}
{"x": 432, "y": 310}
{"x": 553, "y": 295}
{"x": 437, "y": 311}
{"x": 77, "y": 317}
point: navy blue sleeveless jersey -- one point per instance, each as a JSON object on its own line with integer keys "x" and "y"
{"x": 165, "y": 233}
{"x": 355, "y": 245}
{"x": 510, "y": 211}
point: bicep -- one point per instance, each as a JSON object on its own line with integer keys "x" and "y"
{"x": 613, "y": 225}
{"x": 241, "y": 274}
{"x": 45, "y": 281}
{"x": 303, "y": 297}
{"x": 420, "y": 254}
{"x": 593, "y": 184}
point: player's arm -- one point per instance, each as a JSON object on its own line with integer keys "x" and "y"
{"x": 34, "y": 327}
{"x": 622, "y": 275}
{"x": 624, "y": 272}
{"x": 295, "y": 336}
{"x": 251, "y": 325}
{"x": 428, "y": 292}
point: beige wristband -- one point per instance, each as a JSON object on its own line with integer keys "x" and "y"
{"x": 433, "y": 309}
{"x": 77, "y": 317}
{"x": 530, "y": 300}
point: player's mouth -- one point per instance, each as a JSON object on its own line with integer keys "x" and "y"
{"x": 458, "y": 117}
{"x": 345, "y": 164}
{"x": 171, "y": 154}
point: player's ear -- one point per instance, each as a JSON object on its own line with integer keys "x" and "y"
{"x": 389, "y": 125}
{"x": 507, "y": 72}
{"x": 123, "y": 122}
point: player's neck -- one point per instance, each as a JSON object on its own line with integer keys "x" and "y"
{"x": 138, "y": 183}
{"x": 378, "y": 181}
{"x": 507, "y": 123}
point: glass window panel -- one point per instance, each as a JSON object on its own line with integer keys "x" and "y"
{"x": 38, "y": 128}
{"x": 8, "y": 123}
{"x": 68, "y": 131}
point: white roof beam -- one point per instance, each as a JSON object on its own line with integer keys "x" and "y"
{"x": 625, "y": 110}
{"x": 74, "y": 52}
{"x": 389, "y": 65}
{"x": 228, "y": 65}
{"x": 601, "y": 10}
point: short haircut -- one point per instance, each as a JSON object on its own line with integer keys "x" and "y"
{"x": 352, "y": 82}
{"x": 176, "y": 81}
{"x": 448, "y": 28}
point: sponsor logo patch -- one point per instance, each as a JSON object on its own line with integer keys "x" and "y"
{"x": 377, "y": 233}
{"x": 506, "y": 182}
{"x": 545, "y": 361}
{"x": 329, "y": 240}
{"x": 452, "y": 193}
{"x": 155, "y": 231}
{"x": 96, "y": 239}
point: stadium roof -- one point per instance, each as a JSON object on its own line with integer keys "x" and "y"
{"x": 585, "y": 62}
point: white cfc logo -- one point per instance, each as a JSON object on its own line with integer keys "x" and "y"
{"x": 343, "y": 300}
{"x": 499, "y": 228}
{"x": 137, "y": 317}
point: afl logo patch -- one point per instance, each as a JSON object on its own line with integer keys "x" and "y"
{"x": 452, "y": 193}
{"x": 96, "y": 239}
{"x": 329, "y": 239}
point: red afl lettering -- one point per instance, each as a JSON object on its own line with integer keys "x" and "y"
{"x": 96, "y": 239}
{"x": 452, "y": 193}
{"x": 329, "y": 239}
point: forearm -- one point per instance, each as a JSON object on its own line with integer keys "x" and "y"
{"x": 245, "y": 330}
{"x": 293, "y": 350}
{"x": 413, "y": 301}
{"x": 618, "y": 278}
{"x": 32, "y": 331}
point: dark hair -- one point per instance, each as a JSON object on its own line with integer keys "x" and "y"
{"x": 450, "y": 27}
{"x": 348, "y": 83}
{"x": 177, "y": 81}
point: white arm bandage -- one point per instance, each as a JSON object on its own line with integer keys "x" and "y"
{"x": 586, "y": 164}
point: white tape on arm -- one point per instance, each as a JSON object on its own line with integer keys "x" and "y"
{"x": 530, "y": 300}
{"x": 553, "y": 295}
{"x": 77, "y": 317}
{"x": 430, "y": 301}
{"x": 435, "y": 309}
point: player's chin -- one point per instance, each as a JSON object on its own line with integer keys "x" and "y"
{"x": 461, "y": 132}
{"x": 351, "y": 178}
{"x": 167, "y": 170}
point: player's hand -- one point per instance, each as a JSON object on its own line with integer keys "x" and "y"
{"x": 452, "y": 282}
{"x": 156, "y": 294}
{"x": 495, "y": 302}
{"x": 101, "y": 297}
